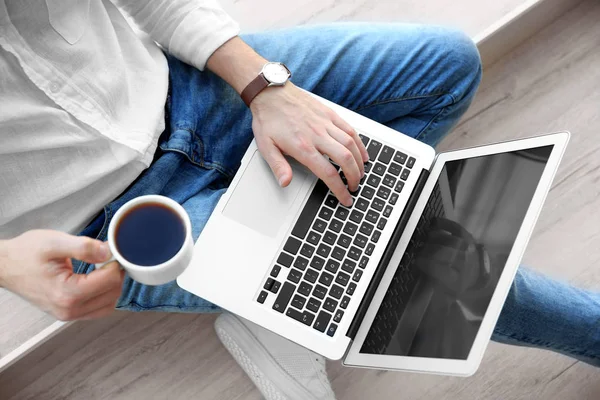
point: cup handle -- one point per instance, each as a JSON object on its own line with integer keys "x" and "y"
{"x": 101, "y": 265}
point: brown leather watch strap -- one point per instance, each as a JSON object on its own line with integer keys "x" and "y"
{"x": 253, "y": 89}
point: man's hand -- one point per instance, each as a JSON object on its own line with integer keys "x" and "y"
{"x": 286, "y": 120}
{"x": 37, "y": 266}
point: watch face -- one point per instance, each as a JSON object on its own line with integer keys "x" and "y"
{"x": 276, "y": 73}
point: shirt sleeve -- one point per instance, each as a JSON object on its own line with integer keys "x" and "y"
{"x": 191, "y": 30}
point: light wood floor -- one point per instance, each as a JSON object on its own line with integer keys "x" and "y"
{"x": 550, "y": 83}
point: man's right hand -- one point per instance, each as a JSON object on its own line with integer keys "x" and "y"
{"x": 37, "y": 266}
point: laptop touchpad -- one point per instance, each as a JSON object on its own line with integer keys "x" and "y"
{"x": 258, "y": 201}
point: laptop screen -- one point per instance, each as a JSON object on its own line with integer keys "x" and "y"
{"x": 445, "y": 281}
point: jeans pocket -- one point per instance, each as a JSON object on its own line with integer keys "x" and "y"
{"x": 69, "y": 18}
{"x": 97, "y": 229}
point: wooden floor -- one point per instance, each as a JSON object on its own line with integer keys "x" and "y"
{"x": 550, "y": 83}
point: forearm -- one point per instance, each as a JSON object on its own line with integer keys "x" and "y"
{"x": 3, "y": 260}
{"x": 236, "y": 62}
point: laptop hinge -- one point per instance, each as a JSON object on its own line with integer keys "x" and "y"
{"x": 387, "y": 255}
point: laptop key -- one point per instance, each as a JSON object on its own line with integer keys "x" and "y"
{"x": 379, "y": 169}
{"x": 363, "y": 262}
{"x": 351, "y": 288}
{"x": 284, "y": 297}
{"x": 336, "y": 292}
{"x": 404, "y": 175}
{"x": 399, "y": 187}
{"x": 301, "y": 263}
{"x": 338, "y": 316}
{"x": 275, "y": 287}
{"x": 326, "y": 213}
{"x": 411, "y": 162}
{"x": 320, "y": 225}
{"x": 345, "y": 301}
{"x": 370, "y": 248}
{"x": 363, "y": 139}
{"x": 386, "y": 154}
{"x": 325, "y": 278}
{"x": 311, "y": 275}
{"x": 329, "y": 237}
{"x": 368, "y": 166}
{"x": 350, "y": 228}
{"x": 336, "y": 225}
{"x": 307, "y": 250}
{"x": 269, "y": 284}
{"x": 330, "y": 304}
{"x": 317, "y": 263}
{"x": 361, "y": 204}
{"x": 388, "y": 211}
{"x": 381, "y": 223}
{"x": 298, "y": 302}
{"x": 375, "y": 237}
{"x": 357, "y": 275}
{"x": 366, "y": 229}
{"x": 368, "y": 192}
{"x": 393, "y": 198}
{"x": 292, "y": 245}
{"x": 338, "y": 253}
{"x": 320, "y": 292}
{"x": 322, "y": 320}
{"x": 305, "y": 317}
{"x": 344, "y": 241}
{"x": 313, "y": 304}
{"x": 324, "y": 250}
{"x": 294, "y": 276}
{"x": 348, "y": 265}
{"x": 342, "y": 279}
{"x": 389, "y": 181}
{"x": 332, "y": 266}
{"x": 285, "y": 259}
{"x": 262, "y": 297}
{"x": 374, "y": 180}
{"x": 275, "y": 271}
{"x": 360, "y": 241}
{"x": 313, "y": 238}
{"x": 342, "y": 213}
{"x": 383, "y": 192}
{"x": 372, "y": 216}
{"x": 331, "y": 201}
{"x": 400, "y": 157}
{"x": 378, "y": 204}
{"x": 394, "y": 169}
{"x": 373, "y": 149}
{"x": 305, "y": 288}
{"x": 331, "y": 330}
{"x": 310, "y": 210}
{"x": 354, "y": 253}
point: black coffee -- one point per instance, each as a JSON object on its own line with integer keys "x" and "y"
{"x": 149, "y": 234}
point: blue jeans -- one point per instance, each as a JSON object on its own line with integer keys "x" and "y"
{"x": 418, "y": 80}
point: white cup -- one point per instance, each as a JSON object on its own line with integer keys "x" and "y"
{"x": 160, "y": 273}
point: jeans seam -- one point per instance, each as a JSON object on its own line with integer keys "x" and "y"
{"x": 404, "y": 98}
{"x": 133, "y": 303}
{"x": 424, "y": 132}
{"x": 546, "y": 345}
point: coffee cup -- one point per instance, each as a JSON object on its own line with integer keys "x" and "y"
{"x": 151, "y": 238}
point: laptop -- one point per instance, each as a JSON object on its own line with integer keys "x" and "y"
{"x": 412, "y": 276}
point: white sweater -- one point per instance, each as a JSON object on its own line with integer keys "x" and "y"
{"x": 82, "y": 97}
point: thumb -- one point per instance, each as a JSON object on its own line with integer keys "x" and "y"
{"x": 279, "y": 165}
{"x": 79, "y": 247}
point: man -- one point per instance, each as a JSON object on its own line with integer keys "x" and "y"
{"x": 93, "y": 114}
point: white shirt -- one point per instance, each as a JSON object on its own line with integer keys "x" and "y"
{"x": 82, "y": 99}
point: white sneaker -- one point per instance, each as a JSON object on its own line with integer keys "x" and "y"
{"x": 281, "y": 370}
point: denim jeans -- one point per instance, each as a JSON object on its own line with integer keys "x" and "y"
{"x": 416, "y": 79}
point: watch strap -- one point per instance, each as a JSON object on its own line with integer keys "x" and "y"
{"x": 254, "y": 88}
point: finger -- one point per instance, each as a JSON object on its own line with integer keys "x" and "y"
{"x": 103, "y": 300}
{"x": 327, "y": 173}
{"x": 343, "y": 157}
{"x": 87, "y": 286}
{"x": 347, "y": 141}
{"x": 346, "y": 127}
{"x": 279, "y": 165}
{"x": 79, "y": 247}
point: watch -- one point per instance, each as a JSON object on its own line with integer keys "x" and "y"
{"x": 272, "y": 74}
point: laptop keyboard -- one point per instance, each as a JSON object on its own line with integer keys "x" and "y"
{"x": 323, "y": 259}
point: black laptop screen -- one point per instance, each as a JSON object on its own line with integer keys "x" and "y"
{"x": 438, "y": 297}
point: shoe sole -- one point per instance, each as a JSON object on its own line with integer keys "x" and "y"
{"x": 235, "y": 337}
